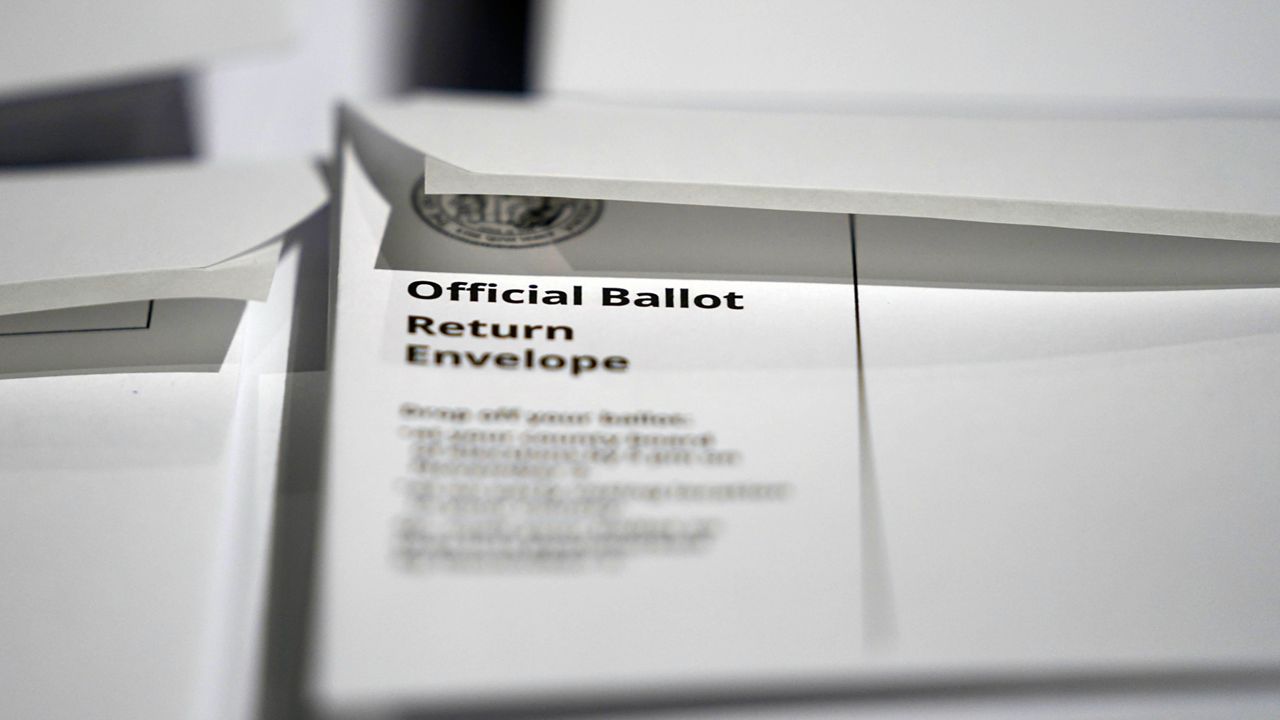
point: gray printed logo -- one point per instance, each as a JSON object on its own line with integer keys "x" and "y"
{"x": 507, "y": 221}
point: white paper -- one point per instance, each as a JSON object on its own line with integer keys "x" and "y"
{"x": 1070, "y": 476}
{"x": 51, "y": 43}
{"x": 1038, "y": 497}
{"x": 1209, "y": 177}
{"x": 628, "y": 566}
{"x": 170, "y": 230}
{"x": 139, "y": 470}
{"x": 1087, "y": 57}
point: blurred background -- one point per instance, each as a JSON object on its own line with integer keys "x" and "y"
{"x": 85, "y": 81}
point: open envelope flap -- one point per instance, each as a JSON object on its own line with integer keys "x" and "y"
{"x": 81, "y": 237}
{"x": 1194, "y": 177}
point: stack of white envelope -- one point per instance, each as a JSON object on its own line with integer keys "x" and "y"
{"x": 1061, "y": 352}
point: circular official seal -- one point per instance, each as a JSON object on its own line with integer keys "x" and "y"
{"x": 507, "y": 221}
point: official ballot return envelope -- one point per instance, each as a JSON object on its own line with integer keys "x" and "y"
{"x": 632, "y": 404}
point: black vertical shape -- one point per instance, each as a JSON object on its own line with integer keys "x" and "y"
{"x": 472, "y": 45}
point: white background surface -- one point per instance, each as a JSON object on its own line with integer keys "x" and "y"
{"x": 46, "y": 44}
{"x": 136, "y": 509}
{"x": 281, "y": 103}
{"x": 927, "y": 53}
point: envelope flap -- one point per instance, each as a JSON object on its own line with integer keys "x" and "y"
{"x": 1205, "y": 177}
{"x": 171, "y": 216}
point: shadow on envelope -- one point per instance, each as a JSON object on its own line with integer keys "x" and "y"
{"x": 691, "y": 241}
{"x": 183, "y": 335}
{"x": 946, "y": 253}
{"x": 618, "y": 239}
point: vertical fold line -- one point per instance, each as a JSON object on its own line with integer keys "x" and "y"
{"x": 879, "y": 622}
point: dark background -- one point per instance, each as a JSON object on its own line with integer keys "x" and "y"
{"x": 480, "y": 45}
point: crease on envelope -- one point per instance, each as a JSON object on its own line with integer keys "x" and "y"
{"x": 1193, "y": 177}
{"x": 165, "y": 230}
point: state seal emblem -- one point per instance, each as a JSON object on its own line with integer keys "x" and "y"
{"x": 506, "y": 221}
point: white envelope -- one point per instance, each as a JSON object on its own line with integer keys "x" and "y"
{"x": 143, "y": 232}
{"x": 1151, "y": 247}
{"x": 1198, "y": 177}
{"x": 139, "y": 439}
